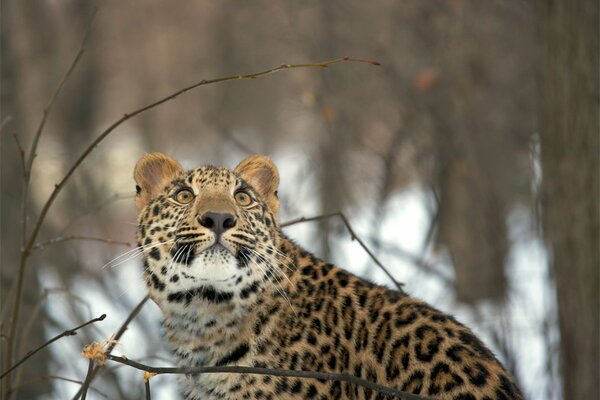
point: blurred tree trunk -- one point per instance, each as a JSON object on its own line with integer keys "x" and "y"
{"x": 476, "y": 149}
{"x": 569, "y": 142}
{"x": 334, "y": 141}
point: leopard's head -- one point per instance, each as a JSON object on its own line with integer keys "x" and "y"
{"x": 210, "y": 234}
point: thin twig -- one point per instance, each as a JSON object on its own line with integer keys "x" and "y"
{"x": 25, "y": 248}
{"x": 69, "y": 332}
{"x": 42, "y": 245}
{"x": 115, "y": 338}
{"x": 21, "y": 153}
{"x": 115, "y": 197}
{"x": 88, "y": 380}
{"x": 33, "y": 317}
{"x": 55, "y": 377}
{"x": 419, "y": 261}
{"x": 147, "y": 385}
{"x": 353, "y": 236}
{"x": 225, "y": 131}
{"x": 385, "y": 390}
{"x": 48, "y": 108}
{"x": 126, "y": 323}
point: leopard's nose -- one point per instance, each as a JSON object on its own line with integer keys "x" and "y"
{"x": 217, "y": 222}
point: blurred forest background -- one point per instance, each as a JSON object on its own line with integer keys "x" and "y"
{"x": 468, "y": 162}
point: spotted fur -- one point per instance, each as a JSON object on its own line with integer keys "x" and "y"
{"x": 254, "y": 298}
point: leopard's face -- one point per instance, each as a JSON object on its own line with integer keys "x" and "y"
{"x": 207, "y": 235}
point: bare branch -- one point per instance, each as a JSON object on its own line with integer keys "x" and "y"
{"x": 224, "y": 130}
{"x": 28, "y": 165}
{"x": 418, "y": 261}
{"x": 147, "y": 385}
{"x": 69, "y": 332}
{"x": 48, "y": 108}
{"x": 88, "y": 380}
{"x": 126, "y": 323}
{"x": 115, "y": 197}
{"x": 21, "y": 154}
{"x": 353, "y": 236}
{"x": 113, "y": 343}
{"x": 33, "y": 317}
{"x": 388, "y": 391}
{"x": 42, "y": 245}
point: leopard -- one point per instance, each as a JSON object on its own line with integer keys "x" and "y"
{"x": 234, "y": 290}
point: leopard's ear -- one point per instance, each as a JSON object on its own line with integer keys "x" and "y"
{"x": 262, "y": 174}
{"x": 152, "y": 173}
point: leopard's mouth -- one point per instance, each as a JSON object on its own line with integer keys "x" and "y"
{"x": 217, "y": 247}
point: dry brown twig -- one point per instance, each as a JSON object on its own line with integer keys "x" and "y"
{"x": 27, "y": 167}
{"x": 92, "y": 374}
{"x": 60, "y": 239}
{"x": 385, "y": 390}
{"x": 353, "y": 236}
{"x": 69, "y": 332}
{"x": 88, "y": 379}
{"x": 108, "y": 201}
{"x": 21, "y": 153}
{"x": 24, "y": 333}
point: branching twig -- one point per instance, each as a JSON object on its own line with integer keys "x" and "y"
{"x": 147, "y": 385}
{"x": 28, "y": 165}
{"x": 33, "y": 317}
{"x": 388, "y": 391}
{"x": 113, "y": 343}
{"x": 42, "y": 245}
{"x": 48, "y": 108}
{"x": 69, "y": 332}
{"x": 418, "y": 261}
{"x": 352, "y": 235}
{"x": 21, "y": 153}
{"x": 115, "y": 197}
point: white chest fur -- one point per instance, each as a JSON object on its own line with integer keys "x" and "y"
{"x": 209, "y": 335}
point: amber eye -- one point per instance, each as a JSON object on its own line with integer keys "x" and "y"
{"x": 184, "y": 196}
{"x": 243, "y": 198}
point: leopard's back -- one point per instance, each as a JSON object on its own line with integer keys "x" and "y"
{"x": 337, "y": 322}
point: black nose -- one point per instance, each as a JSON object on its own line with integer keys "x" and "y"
{"x": 217, "y": 222}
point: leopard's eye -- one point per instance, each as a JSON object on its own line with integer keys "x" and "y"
{"x": 243, "y": 198}
{"x": 184, "y": 196}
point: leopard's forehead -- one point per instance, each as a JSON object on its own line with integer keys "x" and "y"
{"x": 209, "y": 176}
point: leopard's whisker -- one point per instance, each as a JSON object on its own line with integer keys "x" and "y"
{"x": 280, "y": 290}
{"x": 132, "y": 254}
{"x": 268, "y": 272}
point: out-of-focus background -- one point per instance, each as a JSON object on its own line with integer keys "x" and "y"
{"x": 467, "y": 162}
